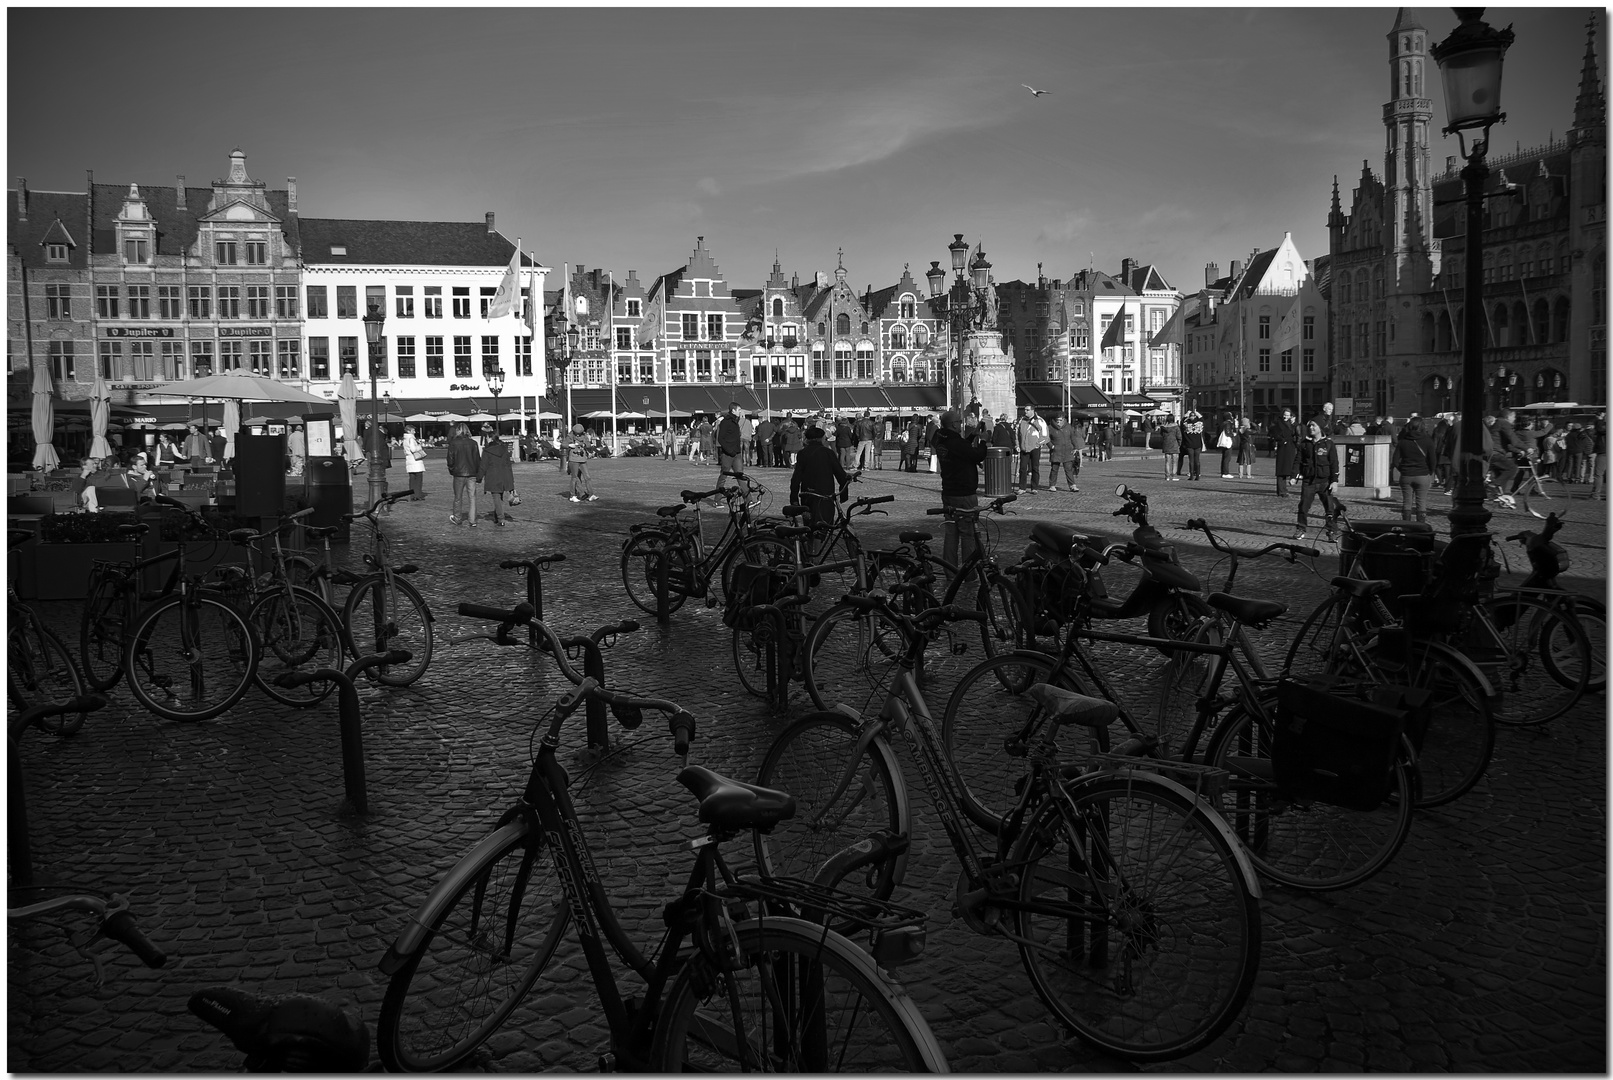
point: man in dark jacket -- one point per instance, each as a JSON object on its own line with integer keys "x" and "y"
{"x": 764, "y": 443}
{"x": 818, "y": 476}
{"x": 962, "y": 450}
{"x": 1326, "y": 421}
{"x": 464, "y": 463}
{"x": 730, "y": 444}
{"x": 1285, "y": 445}
{"x": 866, "y": 429}
{"x": 1507, "y": 445}
{"x": 1319, "y": 478}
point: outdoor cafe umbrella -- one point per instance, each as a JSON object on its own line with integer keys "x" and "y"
{"x": 237, "y": 387}
{"x": 44, "y": 419}
{"x": 232, "y": 424}
{"x": 347, "y": 405}
{"x": 100, "y": 414}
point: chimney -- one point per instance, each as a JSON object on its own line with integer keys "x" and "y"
{"x": 1233, "y": 273}
{"x": 22, "y": 198}
{"x": 1212, "y": 273}
{"x": 1450, "y": 163}
{"x": 179, "y": 191}
{"x": 490, "y": 229}
{"x": 291, "y": 194}
{"x": 1126, "y": 268}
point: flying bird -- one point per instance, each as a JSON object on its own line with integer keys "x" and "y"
{"x": 1034, "y": 92}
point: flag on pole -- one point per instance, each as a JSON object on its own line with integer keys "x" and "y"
{"x": 1171, "y": 332}
{"x": 508, "y": 298}
{"x": 534, "y": 303}
{"x": 1288, "y": 330}
{"x": 1115, "y": 334}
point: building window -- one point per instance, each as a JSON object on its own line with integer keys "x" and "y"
{"x": 1264, "y": 362}
{"x": 797, "y": 368}
{"x": 1265, "y": 328}
{"x": 319, "y": 358}
{"x": 487, "y": 298}
{"x": 842, "y": 324}
{"x": 842, "y": 361}
{"x": 624, "y": 337}
{"x": 434, "y": 360}
{"x": 224, "y": 252}
{"x": 898, "y": 337}
{"x": 347, "y": 301}
{"x": 523, "y": 355}
{"x": 168, "y": 306}
{"x": 679, "y": 367}
{"x": 702, "y": 365}
{"x": 290, "y": 359}
{"x": 139, "y": 301}
{"x": 173, "y": 360}
{"x": 590, "y": 338}
{"x": 260, "y": 352}
{"x": 56, "y": 253}
{"x": 375, "y": 299}
{"x": 257, "y": 253}
{"x": 136, "y": 251}
{"x": 1308, "y": 361}
{"x": 462, "y": 353}
{"x": 378, "y": 359}
{"x": 58, "y": 301}
{"x": 1286, "y": 361}
{"x": 61, "y": 361}
{"x": 715, "y": 328}
{"x": 404, "y": 301}
{"x": 489, "y": 355}
{"x": 257, "y": 301}
{"x": 1379, "y": 344}
{"x": 229, "y": 356}
{"x": 111, "y": 359}
{"x": 691, "y": 327}
{"x": 624, "y": 369}
{"x": 229, "y": 301}
{"x": 728, "y": 364}
{"x": 201, "y": 358}
{"x": 432, "y": 299}
{"x": 316, "y": 302}
{"x": 461, "y": 302}
{"x": 285, "y": 301}
{"x": 106, "y": 301}
{"x": 865, "y": 361}
{"x": 633, "y": 308}
{"x": 405, "y": 357}
{"x": 347, "y": 355}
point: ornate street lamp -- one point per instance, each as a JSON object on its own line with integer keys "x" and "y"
{"x": 1470, "y": 66}
{"x": 495, "y": 386}
{"x": 571, "y": 336}
{"x": 373, "y": 324}
{"x": 963, "y": 299}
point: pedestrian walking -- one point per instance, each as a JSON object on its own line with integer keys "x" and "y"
{"x": 296, "y": 450}
{"x": 1441, "y": 438}
{"x": 575, "y": 451}
{"x": 1596, "y": 432}
{"x": 1105, "y": 442}
{"x": 747, "y": 441}
{"x": 730, "y": 441}
{"x": 1170, "y": 446}
{"x": 1413, "y": 459}
{"x": 866, "y": 429}
{"x": 818, "y": 477}
{"x": 793, "y": 439}
{"x": 1227, "y": 442}
{"x": 1029, "y": 435}
{"x": 1246, "y": 450}
{"x": 961, "y": 449}
{"x": 1319, "y": 478}
{"x": 1062, "y": 453}
{"x": 197, "y": 449}
{"x": 1285, "y": 447}
{"x": 1192, "y": 442}
{"x": 464, "y": 464}
{"x": 497, "y": 477}
{"x": 764, "y": 442}
{"x": 414, "y": 463}
{"x": 845, "y": 442}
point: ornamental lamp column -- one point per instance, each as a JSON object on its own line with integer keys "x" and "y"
{"x": 374, "y": 322}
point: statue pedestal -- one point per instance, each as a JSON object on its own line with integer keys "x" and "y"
{"x": 991, "y": 373}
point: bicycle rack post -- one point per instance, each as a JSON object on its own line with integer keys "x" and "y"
{"x": 351, "y": 717}
{"x": 593, "y": 667}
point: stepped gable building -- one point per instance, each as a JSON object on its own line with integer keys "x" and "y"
{"x": 1231, "y": 331}
{"x": 1395, "y": 284}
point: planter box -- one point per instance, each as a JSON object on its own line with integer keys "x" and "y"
{"x": 62, "y": 571}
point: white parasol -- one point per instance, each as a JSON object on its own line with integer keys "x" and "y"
{"x": 232, "y": 424}
{"x": 232, "y": 386}
{"x": 347, "y": 405}
{"x": 44, "y": 419}
{"x": 100, "y": 414}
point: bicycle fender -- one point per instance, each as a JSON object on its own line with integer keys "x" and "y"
{"x": 411, "y": 937}
{"x": 1250, "y": 879}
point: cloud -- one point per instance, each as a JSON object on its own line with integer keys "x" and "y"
{"x": 707, "y": 185}
{"x": 1074, "y": 224}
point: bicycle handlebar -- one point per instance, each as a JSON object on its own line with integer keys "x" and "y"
{"x": 538, "y": 561}
{"x": 995, "y": 506}
{"x": 1200, "y": 525}
{"x": 120, "y": 927}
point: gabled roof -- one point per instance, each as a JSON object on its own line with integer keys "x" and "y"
{"x": 876, "y": 303}
{"x": 405, "y": 243}
{"x": 1149, "y": 279}
{"x": 1255, "y": 272}
{"x": 176, "y": 228}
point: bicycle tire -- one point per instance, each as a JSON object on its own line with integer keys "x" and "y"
{"x": 1543, "y": 665}
{"x": 639, "y": 569}
{"x": 40, "y": 669}
{"x": 810, "y": 1001}
{"x": 459, "y": 985}
{"x": 1320, "y": 646}
{"x": 1460, "y": 739}
{"x": 408, "y": 628}
{"x": 101, "y": 633}
{"x": 299, "y": 633}
{"x": 755, "y": 647}
{"x": 1314, "y": 847}
{"x": 1147, "y": 943}
{"x": 808, "y": 760}
{"x": 987, "y": 709}
{"x": 199, "y": 684}
{"x": 303, "y": 571}
{"x": 849, "y": 657}
{"x": 1592, "y": 616}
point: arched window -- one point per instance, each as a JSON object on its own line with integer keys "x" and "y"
{"x": 1445, "y": 339}
{"x": 1430, "y": 335}
{"x": 921, "y": 371}
{"x": 842, "y": 324}
{"x": 1500, "y": 326}
{"x": 1542, "y": 321}
{"x": 1361, "y": 284}
{"x": 823, "y": 328}
{"x": 1520, "y": 320}
{"x": 1559, "y": 321}
{"x": 1344, "y": 289}
{"x": 1377, "y": 283}
{"x": 864, "y": 330}
{"x": 921, "y": 337}
{"x": 898, "y": 371}
{"x": 778, "y": 307}
{"x": 899, "y": 336}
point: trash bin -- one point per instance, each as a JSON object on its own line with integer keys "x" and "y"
{"x": 999, "y": 471}
{"x": 330, "y": 492}
{"x": 1354, "y": 465}
{"x": 1404, "y": 560}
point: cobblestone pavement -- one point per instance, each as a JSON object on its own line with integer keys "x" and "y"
{"x": 1481, "y": 947}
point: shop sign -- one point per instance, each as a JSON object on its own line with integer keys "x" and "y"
{"x": 243, "y": 331}
{"x": 138, "y": 331}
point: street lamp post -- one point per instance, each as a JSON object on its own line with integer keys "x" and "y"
{"x": 959, "y": 303}
{"x": 495, "y": 386}
{"x": 1469, "y": 62}
{"x": 373, "y": 324}
{"x": 571, "y": 337}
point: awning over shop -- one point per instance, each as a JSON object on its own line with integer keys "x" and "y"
{"x": 861, "y": 397}
{"x": 157, "y": 415}
{"x": 1050, "y": 395}
{"x": 903, "y": 398}
{"x": 791, "y": 399}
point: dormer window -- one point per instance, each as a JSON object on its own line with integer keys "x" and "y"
{"x": 338, "y": 250}
{"x": 633, "y": 309}
{"x": 56, "y": 253}
{"x": 136, "y": 250}
{"x": 257, "y": 253}
{"x": 224, "y": 252}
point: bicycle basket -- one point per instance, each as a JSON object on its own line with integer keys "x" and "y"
{"x": 1332, "y": 747}
{"x": 753, "y": 585}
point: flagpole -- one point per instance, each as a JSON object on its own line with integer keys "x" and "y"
{"x": 610, "y": 318}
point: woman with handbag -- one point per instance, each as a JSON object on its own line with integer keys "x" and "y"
{"x": 414, "y": 463}
{"x": 1227, "y": 441}
{"x": 1413, "y": 459}
{"x": 1246, "y": 450}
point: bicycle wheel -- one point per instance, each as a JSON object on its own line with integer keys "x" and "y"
{"x": 304, "y": 572}
{"x": 376, "y": 623}
{"x": 190, "y": 657}
{"x": 1592, "y": 616}
{"x": 1538, "y": 661}
{"x": 299, "y": 632}
{"x": 1311, "y": 846}
{"x": 1322, "y": 646}
{"x": 40, "y": 670}
{"x": 802, "y": 999}
{"x": 483, "y": 949}
{"x": 640, "y": 564}
{"x": 849, "y": 657}
{"x": 1140, "y": 931}
{"x": 988, "y": 721}
{"x": 809, "y": 759}
{"x": 1460, "y": 738}
{"x": 995, "y": 596}
{"x": 100, "y": 633}
{"x": 756, "y": 651}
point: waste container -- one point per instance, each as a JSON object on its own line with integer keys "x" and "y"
{"x": 330, "y": 492}
{"x": 999, "y": 471}
{"x": 1403, "y": 560}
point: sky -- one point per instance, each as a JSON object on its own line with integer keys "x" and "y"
{"x": 613, "y": 137}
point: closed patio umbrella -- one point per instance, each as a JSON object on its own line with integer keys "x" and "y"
{"x": 347, "y": 405}
{"x": 100, "y": 414}
{"x": 232, "y": 424}
{"x": 44, "y": 420}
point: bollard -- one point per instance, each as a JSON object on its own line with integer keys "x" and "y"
{"x": 351, "y": 726}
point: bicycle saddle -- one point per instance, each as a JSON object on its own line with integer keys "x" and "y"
{"x": 1360, "y": 588}
{"x": 914, "y": 537}
{"x": 1068, "y": 707}
{"x": 730, "y": 804}
{"x": 1255, "y": 613}
{"x": 318, "y": 532}
{"x": 1060, "y": 539}
{"x": 294, "y": 1033}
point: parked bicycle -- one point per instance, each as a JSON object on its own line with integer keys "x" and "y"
{"x": 691, "y": 566}
{"x": 384, "y": 611}
{"x": 1548, "y": 559}
{"x": 39, "y": 665}
{"x": 757, "y": 991}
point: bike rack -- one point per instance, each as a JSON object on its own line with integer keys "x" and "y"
{"x": 533, "y": 568}
{"x": 352, "y": 732}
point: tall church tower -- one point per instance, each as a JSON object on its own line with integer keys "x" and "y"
{"x": 1408, "y": 187}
